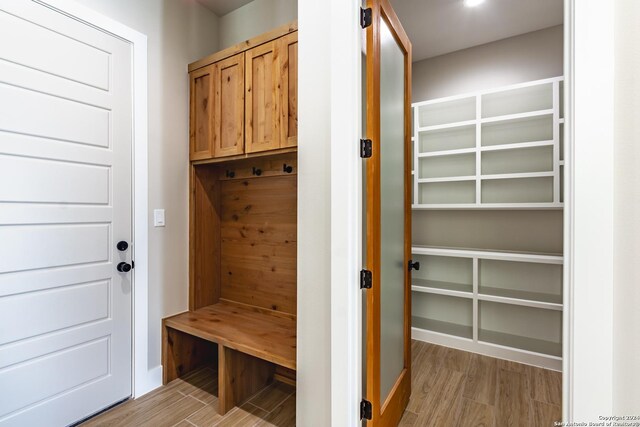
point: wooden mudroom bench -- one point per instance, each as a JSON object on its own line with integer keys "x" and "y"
{"x": 246, "y": 342}
{"x": 242, "y": 220}
{"x": 267, "y": 336}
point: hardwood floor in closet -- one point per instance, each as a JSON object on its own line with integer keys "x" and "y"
{"x": 456, "y": 388}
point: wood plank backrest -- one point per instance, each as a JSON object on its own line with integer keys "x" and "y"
{"x": 204, "y": 237}
{"x": 259, "y": 242}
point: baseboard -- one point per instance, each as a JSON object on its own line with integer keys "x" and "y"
{"x": 487, "y": 349}
{"x": 148, "y": 381}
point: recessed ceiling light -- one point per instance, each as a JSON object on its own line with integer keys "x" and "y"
{"x": 473, "y": 3}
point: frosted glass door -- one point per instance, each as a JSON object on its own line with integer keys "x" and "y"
{"x": 392, "y": 209}
{"x": 388, "y": 216}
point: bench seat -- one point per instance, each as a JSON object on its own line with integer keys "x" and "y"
{"x": 251, "y": 347}
{"x": 243, "y": 328}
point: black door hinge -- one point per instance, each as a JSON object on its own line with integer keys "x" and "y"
{"x": 366, "y": 148}
{"x": 366, "y": 410}
{"x": 365, "y": 17}
{"x": 366, "y": 279}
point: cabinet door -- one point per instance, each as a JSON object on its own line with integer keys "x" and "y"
{"x": 228, "y": 107}
{"x": 289, "y": 90}
{"x": 262, "y": 97}
{"x": 200, "y": 124}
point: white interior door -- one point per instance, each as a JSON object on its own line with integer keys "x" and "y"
{"x": 65, "y": 203}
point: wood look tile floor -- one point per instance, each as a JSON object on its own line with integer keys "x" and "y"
{"x": 449, "y": 388}
{"x": 192, "y": 401}
{"x": 455, "y": 388}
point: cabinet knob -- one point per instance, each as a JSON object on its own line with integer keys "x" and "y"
{"x": 414, "y": 265}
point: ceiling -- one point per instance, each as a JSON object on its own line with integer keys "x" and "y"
{"x": 222, "y": 7}
{"x": 436, "y": 27}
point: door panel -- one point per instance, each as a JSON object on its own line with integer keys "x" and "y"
{"x": 392, "y": 211}
{"x": 262, "y": 97}
{"x": 388, "y": 217}
{"x": 228, "y": 116}
{"x": 65, "y": 165}
{"x": 200, "y": 133}
{"x": 289, "y": 90}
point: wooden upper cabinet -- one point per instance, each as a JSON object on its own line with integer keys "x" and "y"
{"x": 262, "y": 100}
{"x": 245, "y": 99}
{"x": 200, "y": 133}
{"x": 289, "y": 90}
{"x": 228, "y": 107}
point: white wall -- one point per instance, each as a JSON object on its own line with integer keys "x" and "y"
{"x": 179, "y": 32}
{"x": 531, "y": 56}
{"x": 626, "y": 289}
{"x": 314, "y": 217}
{"x": 255, "y": 18}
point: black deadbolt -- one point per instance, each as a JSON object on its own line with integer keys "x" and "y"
{"x": 124, "y": 267}
{"x": 122, "y": 246}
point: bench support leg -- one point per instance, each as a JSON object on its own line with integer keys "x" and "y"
{"x": 240, "y": 376}
{"x": 182, "y": 353}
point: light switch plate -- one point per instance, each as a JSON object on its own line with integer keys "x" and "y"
{"x": 158, "y": 217}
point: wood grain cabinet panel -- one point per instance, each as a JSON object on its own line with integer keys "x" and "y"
{"x": 246, "y": 103}
{"x": 228, "y": 110}
{"x": 262, "y": 97}
{"x": 289, "y": 90}
{"x": 200, "y": 133}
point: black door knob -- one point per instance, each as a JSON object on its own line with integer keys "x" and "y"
{"x": 122, "y": 246}
{"x": 124, "y": 267}
{"x": 414, "y": 265}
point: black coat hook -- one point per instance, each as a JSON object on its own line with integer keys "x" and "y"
{"x": 287, "y": 169}
{"x": 256, "y": 171}
{"x": 230, "y": 174}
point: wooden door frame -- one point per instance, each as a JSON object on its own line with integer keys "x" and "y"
{"x": 390, "y": 411}
{"x": 143, "y": 377}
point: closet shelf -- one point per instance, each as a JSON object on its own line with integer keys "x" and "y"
{"x": 517, "y": 145}
{"x": 547, "y": 348}
{"x": 518, "y": 297}
{"x": 447, "y": 328}
{"x": 442, "y": 288}
{"x": 486, "y": 177}
{"x": 447, "y": 152}
{"x": 539, "y": 257}
{"x": 505, "y": 118}
{"x": 446, "y": 179}
{"x": 510, "y": 117}
{"x": 447, "y": 126}
{"x": 518, "y": 175}
{"x": 488, "y": 206}
{"x": 512, "y": 146}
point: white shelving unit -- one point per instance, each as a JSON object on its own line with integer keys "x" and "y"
{"x": 496, "y": 149}
{"x": 501, "y": 304}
